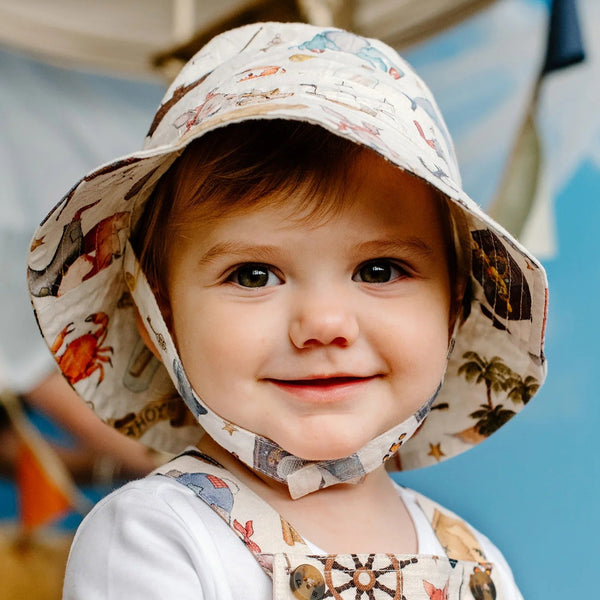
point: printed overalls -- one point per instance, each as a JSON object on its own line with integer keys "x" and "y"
{"x": 299, "y": 575}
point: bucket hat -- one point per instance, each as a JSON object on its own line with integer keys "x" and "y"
{"x": 85, "y": 283}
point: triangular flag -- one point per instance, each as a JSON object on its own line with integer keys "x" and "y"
{"x": 41, "y": 500}
{"x": 565, "y": 42}
{"x": 45, "y": 487}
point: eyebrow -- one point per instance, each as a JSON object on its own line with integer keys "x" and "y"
{"x": 241, "y": 249}
{"x": 392, "y": 247}
{"x": 266, "y": 253}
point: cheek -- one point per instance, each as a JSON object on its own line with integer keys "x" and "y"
{"x": 215, "y": 340}
{"x": 415, "y": 338}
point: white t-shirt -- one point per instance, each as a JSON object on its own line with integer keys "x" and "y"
{"x": 153, "y": 538}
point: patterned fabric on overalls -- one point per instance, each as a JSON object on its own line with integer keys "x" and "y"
{"x": 298, "y": 574}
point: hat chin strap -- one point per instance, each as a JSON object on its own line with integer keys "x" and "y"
{"x": 259, "y": 453}
{"x": 305, "y": 476}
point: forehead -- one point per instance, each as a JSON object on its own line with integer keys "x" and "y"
{"x": 374, "y": 196}
{"x": 318, "y": 197}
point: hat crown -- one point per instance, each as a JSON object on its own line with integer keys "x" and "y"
{"x": 261, "y": 69}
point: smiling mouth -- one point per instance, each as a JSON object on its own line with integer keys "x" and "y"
{"x": 321, "y": 381}
{"x": 323, "y": 389}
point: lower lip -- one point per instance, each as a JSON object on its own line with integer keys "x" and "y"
{"x": 323, "y": 391}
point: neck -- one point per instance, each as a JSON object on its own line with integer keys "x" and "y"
{"x": 256, "y": 481}
{"x": 370, "y": 487}
{"x": 264, "y": 485}
{"x": 339, "y": 518}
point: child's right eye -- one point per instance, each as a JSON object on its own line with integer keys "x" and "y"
{"x": 254, "y": 275}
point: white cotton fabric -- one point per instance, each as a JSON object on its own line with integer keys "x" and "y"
{"x": 153, "y": 538}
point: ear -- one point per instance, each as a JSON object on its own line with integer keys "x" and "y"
{"x": 145, "y": 336}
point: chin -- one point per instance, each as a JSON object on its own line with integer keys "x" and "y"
{"x": 326, "y": 449}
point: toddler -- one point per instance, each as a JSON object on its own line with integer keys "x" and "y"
{"x": 283, "y": 288}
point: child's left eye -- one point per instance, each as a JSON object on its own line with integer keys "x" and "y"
{"x": 254, "y": 275}
{"x": 378, "y": 271}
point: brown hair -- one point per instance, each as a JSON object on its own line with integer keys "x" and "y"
{"x": 233, "y": 169}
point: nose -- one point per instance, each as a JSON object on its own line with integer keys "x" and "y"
{"x": 319, "y": 323}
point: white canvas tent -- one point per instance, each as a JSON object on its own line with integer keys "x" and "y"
{"x": 125, "y": 36}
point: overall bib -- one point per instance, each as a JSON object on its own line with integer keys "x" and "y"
{"x": 299, "y": 574}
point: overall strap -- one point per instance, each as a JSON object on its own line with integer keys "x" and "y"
{"x": 257, "y": 523}
{"x": 297, "y": 574}
{"x": 454, "y": 534}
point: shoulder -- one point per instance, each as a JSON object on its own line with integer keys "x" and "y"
{"x": 154, "y": 537}
{"x": 134, "y": 512}
{"x": 439, "y": 528}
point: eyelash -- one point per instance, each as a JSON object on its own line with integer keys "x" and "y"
{"x": 253, "y": 269}
{"x": 264, "y": 275}
{"x": 387, "y": 267}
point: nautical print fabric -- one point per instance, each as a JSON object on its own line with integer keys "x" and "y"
{"x": 464, "y": 574}
{"x": 356, "y": 88}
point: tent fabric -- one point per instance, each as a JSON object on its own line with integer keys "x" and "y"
{"x": 124, "y": 36}
{"x": 58, "y": 125}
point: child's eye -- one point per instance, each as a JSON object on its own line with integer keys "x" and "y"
{"x": 378, "y": 271}
{"x": 253, "y": 275}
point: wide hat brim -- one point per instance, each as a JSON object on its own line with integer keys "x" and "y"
{"x": 356, "y": 88}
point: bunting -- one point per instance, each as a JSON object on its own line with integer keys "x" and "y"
{"x": 45, "y": 488}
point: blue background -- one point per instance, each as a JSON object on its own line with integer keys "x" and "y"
{"x": 533, "y": 486}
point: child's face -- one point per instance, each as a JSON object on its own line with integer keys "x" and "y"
{"x": 317, "y": 335}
